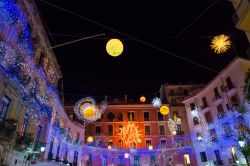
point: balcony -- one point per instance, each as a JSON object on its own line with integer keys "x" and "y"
{"x": 217, "y": 99}
{"x": 218, "y": 162}
{"x": 203, "y": 107}
{"x": 242, "y": 15}
{"x": 230, "y": 90}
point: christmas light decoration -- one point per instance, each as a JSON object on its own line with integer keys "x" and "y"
{"x": 86, "y": 109}
{"x": 156, "y": 102}
{"x": 90, "y": 139}
{"x": 164, "y": 110}
{"x": 114, "y": 47}
{"x": 142, "y": 99}
{"x": 129, "y": 134}
{"x": 172, "y": 125}
{"x": 220, "y": 44}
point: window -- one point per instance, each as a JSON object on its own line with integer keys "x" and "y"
{"x": 120, "y": 116}
{"x": 218, "y": 158}
{"x": 171, "y": 92}
{"x": 110, "y": 130}
{"x": 110, "y": 116}
{"x": 221, "y": 112}
{"x": 110, "y": 142}
{"x": 173, "y": 101}
{"x": 5, "y": 107}
{"x": 229, "y": 83}
{"x": 204, "y": 101}
{"x": 227, "y": 131}
{"x": 208, "y": 117}
{"x": 120, "y": 160}
{"x": 162, "y": 130}
{"x": 119, "y": 128}
{"x": 179, "y": 142}
{"x": 160, "y": 117}
{"x": 146, "y": 116}
{"x": 148, "y": 143}
{"x": 136, "y": 160}
{"x": 98, "y": 130}
{"x": 195, "y": 121}
{"x": 216, "y": 93}
{"x": 147, "y": 130}
{"x": 131, "y": 116}
{"x": 163, "y": 143}
{"x": 186, "y": 159}
{"x": 203, "y": 156}
{"x": 77, "y": 136}
{"x": 213, "y": 135}
{"x": 185, "y": 92}
{"x": 235, "y": 100}
{"x": 192, "y": 106}
{"x": 120, "y": 145}
{"x": 71, "y": 116}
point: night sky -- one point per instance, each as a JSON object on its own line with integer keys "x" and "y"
{"x": 87, "y": 68}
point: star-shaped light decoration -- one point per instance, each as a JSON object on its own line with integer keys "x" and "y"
{"x": 220, "y": 44}
{"x": 156, "y": 102}
{"x": 130, "y": 134}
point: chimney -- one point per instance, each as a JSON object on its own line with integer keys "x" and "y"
{"x": 126, "y": 98}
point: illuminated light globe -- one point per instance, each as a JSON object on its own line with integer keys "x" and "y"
{"x": 150, "y": 147}
{"x": 109, "y": 147}
{"x": 174, "y": 132}
{"x": 86, "y": 109}
{"x": 126, "y": 155}
{"x": 130, "y": 134}
{"x": 90, "y": 139}
{"x": 156, "y": 102}
{"x": 142, "y": 99}
{"x": 164, "y": 110}
{"x": 220, "y": 44}
{"x": 114, "y": 47}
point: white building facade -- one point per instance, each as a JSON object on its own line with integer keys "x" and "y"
{"x": 216, "y": 114}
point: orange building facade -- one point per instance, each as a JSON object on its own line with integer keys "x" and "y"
{"x": 157, "y": 144}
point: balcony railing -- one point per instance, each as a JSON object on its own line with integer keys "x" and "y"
{"x": 7, "y": 129}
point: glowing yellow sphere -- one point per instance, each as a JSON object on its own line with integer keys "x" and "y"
{"x": 164, "y": 110}
{"x": 90, "y": 139}
{"x": 220, "y": 44}
{"x": 150, "y": 147}
{"x": 89, "y": 112}
{"x": 114, "y": 47}
{"x": 109, "y": 147}
{"x": 174, "y": 132}
{"x": 142, "y": 99}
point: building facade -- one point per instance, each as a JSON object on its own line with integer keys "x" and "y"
{"x": 157, "y": 144}
{"x": 29, "y": 77}
{"x": 241, "y": 17}
{"x": 217, "y": 114}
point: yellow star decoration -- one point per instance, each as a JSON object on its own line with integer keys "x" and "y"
{"x": 130, "y": 134}
{"x": 220, "y": 44}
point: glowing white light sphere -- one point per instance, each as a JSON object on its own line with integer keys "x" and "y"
{"x": 126, "y": 155}
{"x": 114, "y": 47}
{"x": 150, "y": 147}
{"x": 109, "y": 147}
{"x": 156, "y": 102}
